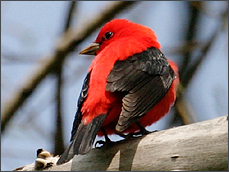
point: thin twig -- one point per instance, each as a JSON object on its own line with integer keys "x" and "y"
{"x": 190, "y": 35}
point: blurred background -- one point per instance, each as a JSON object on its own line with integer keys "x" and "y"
{"x": 42, "y": 72}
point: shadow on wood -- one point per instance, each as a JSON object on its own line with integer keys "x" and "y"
{"x": 109, "y": 155}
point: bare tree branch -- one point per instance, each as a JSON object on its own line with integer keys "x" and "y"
{"x": 58, "y": 138}
{"x": 188, "y": 69}
{"x": 194, "y": 15}
{"x": 67, "y": 44}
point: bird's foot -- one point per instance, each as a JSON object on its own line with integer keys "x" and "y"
{"x": 142, "y": 132}
{"x": 101, "y": 142}
{"x": 137, "y": 134}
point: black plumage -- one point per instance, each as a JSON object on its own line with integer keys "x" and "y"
{"x": 145, "y": 78}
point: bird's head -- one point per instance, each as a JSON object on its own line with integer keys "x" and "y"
{"x": 121, "y": 29}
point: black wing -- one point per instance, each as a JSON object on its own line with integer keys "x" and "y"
{"x": 83, "y": 136}
{"x": 145, "y": 78}
{"x": 82, "y": 97}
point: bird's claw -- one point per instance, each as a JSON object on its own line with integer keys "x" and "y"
{"x": 137, "y": 134}
{"x": 101, "y": 142}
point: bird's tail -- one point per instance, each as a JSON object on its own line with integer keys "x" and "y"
{"x": 82, "y": 140}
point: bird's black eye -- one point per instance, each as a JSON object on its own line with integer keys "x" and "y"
{"x": 108, "y": 35}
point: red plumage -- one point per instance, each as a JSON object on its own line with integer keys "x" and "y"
{"x": 157, "y": 112}
{"x": 129, "y": 80}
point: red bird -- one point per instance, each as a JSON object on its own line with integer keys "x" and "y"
{"x": 130, "y": 85}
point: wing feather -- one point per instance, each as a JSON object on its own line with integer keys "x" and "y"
{"x": 145, "y": 78}
{"x": 82, "y": 97}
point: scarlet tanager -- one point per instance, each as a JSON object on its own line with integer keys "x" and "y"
{"x": 130, "y": 85}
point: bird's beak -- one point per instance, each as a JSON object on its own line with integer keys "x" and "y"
{"x": 91, "y": 50}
